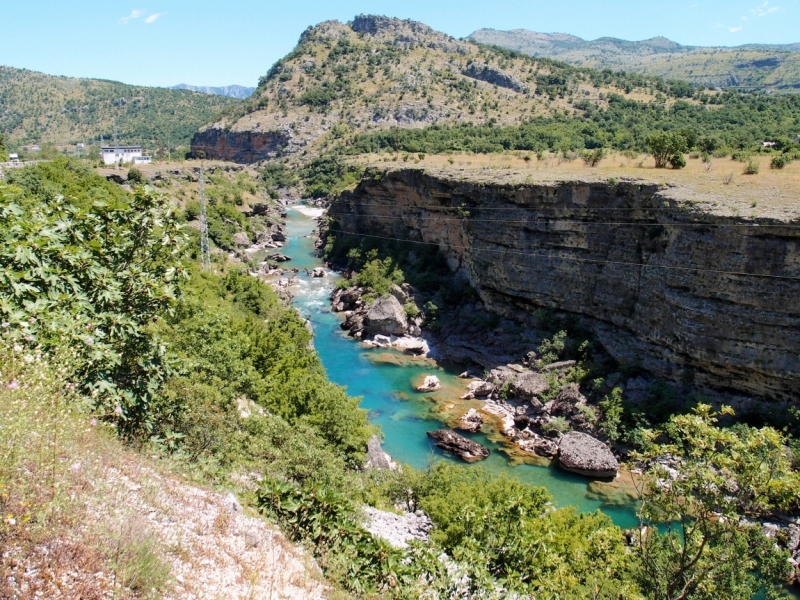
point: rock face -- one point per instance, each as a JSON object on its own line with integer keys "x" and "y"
{"x": 386, "y": 316}
{"x": 529, "y": 385}
{"x": 431, "y": 384}
{"x": 657, "y": 288}
{"x": 238, "y": 146}
{"x": 459, "y": 445}
{"x": 376, "y": 457}
{"x": 581, "y": 453}
{"x": 483, "y": 72}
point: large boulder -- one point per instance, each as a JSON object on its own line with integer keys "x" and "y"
{"x": 430, "y": 384}
{"x": 376, "y": 457}
{"x": 582, "y": 454}
{"x": 529, "y": 385}
{"x": 479, "y": 388}
{"x": 240, "y": 238}
{"x": 386, "y": 317}
{"x": 456, "y": 444}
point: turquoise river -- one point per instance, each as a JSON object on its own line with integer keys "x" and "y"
{"x": 385, "y": 380}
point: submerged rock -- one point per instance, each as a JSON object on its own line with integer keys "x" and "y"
{"x": 386, "y": 316}
{"x": 459, "y": 445}
{"x": 318, "y": 272}
{"x": 582, "y": 454}
{"x": 536, "y": 444}
{"x": 430, "y": 384}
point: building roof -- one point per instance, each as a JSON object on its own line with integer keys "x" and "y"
{"x": 121, "y": 147}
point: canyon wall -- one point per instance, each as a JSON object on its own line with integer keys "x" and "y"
{"x": 681, "y": 289}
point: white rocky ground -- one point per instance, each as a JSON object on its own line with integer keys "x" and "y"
{"x": 215, "y": 550}
{"x": 397, "y": 529}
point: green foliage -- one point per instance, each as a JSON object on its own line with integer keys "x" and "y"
{"x": 705, "y": 549}
{"x": 592, "y": 158}
{"x": 61, "y": 110}
{"x": 550, "y": 350}
{"x": 377, "y": 275}
{"x": 3, "y": 148}
{"x": 556, "y": 425}
{"x": 235, "y": 340}
{"x": 779, "y": 161}
{"x": 612, "y": 414}
{"x": 328, "y": 175}
{"x": 752, "y": 168}
{"x": 91, "y": 272}
{"x": 136, "y": 176}
{"x": 736, "y": 120}
{"x": 667, "y": 147}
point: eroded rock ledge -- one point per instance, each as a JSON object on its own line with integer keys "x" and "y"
{"x": 662, "y": 282}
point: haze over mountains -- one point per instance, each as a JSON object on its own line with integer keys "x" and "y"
{"x": 232, "y": 91}
{"x": 765, "y": 67}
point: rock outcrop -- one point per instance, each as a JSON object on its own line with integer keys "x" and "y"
{"x": 462, "y": 447}
{"x": 471, "y": 421}
{"x": 430, "y": 384}
{"x": 238, "y": 146}
{"x": 582, "y": 454}
{"x": 662, "y": 281}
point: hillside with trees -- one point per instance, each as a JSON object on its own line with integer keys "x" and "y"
{"x": 385, "y": 84}
{"x": 37, "y": 108}
{"x": 752, "y": 67}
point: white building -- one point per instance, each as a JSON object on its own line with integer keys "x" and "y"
{"x": 14, "y": 158}
{"x": 113, "y": 155}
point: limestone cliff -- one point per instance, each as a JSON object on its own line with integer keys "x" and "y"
{"x": 683, "y": 288}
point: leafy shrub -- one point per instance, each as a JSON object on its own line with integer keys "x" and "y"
{"x": 556, "y": 425}
{"x": 666, "y": 147}
{"x": 550, "y": 349}
{"x": 593, "y": 157}
{"x": 779, "y": 161}
{"x": 97, "y": 298}
{"x": 136, "y": 176}
{"x": 752, "y": 168}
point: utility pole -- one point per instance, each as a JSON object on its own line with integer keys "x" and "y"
{"x": 115, "y": 133}
{"x": 205, "y": 253}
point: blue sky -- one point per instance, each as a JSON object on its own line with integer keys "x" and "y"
{"x": 204, "y": 42}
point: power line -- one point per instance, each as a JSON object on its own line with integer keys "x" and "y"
{"x": 550, "y": 219}
{"x": 205, "y": 253}
{"x": 570, "y": 258}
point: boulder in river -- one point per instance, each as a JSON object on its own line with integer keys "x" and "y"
{"x": 456, "y": 444}
{"x": 471, "y": 421}
{"x": 386, "y": 316}
{"x": 582, "y": 454}
{"x": 430, "y": 384}
{"x": 318, "y": 272}
{"x": 278, "y": 257}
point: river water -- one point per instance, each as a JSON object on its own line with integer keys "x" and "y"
{"x": 385, "y": 380}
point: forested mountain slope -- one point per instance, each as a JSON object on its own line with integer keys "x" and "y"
{"x": 765, "y": 67}
{"x": 35, "y": 107}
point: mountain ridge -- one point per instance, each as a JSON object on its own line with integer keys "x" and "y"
{"x": 232, "y": 91}
{"x": 762, "y": 67}
{"x": 36, "y": 107}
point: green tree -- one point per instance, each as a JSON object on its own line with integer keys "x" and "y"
{"x": 667, "y": 147}
{"x": 3, "y": 149}
{"x": 91, "y": 279}
{"x": 723, "y": 479}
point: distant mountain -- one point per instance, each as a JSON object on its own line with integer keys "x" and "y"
{"x": 232, "y": 91}
{"x": 36, "y": 107}
{"x": 766, "y": 67}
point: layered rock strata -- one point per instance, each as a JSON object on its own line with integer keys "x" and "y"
{"x": 681, "y": 290}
